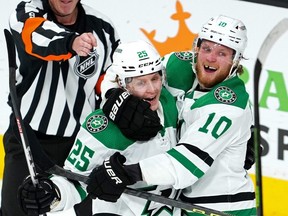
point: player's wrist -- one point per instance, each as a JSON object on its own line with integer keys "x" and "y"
{"x": 134, "y": 171}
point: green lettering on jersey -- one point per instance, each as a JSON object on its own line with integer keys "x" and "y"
{"x": 220, "y": 127}
{"x": 209, "y": 120}
{"x": 80, "y": 156}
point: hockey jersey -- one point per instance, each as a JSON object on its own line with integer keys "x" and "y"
{"x": 208, "y": 161}
{"x": 97, "y": 140}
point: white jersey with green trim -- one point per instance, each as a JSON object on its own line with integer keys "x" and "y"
{"x": 208, "y": 161}
{"x": 97, "y": 140}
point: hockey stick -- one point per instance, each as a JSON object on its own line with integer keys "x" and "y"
{"x": 45, "y": 164}
{"x": 144, "y": 195}
{"x": 266, "y": 46}
{"x": 15, "y": 106}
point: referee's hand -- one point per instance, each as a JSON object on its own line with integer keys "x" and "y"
{"x": 84, "y": 43}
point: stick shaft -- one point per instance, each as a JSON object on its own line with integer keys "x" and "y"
{"x": 15, "y": 105}
{"x": 266, "y": 46}
{"x": 16, "y": 108}
{"x": 142, "y": 194}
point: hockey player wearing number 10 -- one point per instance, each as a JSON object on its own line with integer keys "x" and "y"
{"x": 139, "y": 71}
{"x": 208, "y": 161}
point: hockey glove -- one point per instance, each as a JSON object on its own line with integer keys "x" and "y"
{"x": 36, "y": 200}
{"x": 250, "y": 158}
{"x": 132, "y": 115}
{"x": 250, "y": 152}
{"x": 108, "y": 181}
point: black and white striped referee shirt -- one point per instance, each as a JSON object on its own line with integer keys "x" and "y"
{"x": 58, "y": 89}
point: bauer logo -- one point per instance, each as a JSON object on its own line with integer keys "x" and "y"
{"x": 225, "y": 95}
{"x": 111, "y": 172}
{"x": 86, "y": 67}
{"x": 96, "y": 123}
{"x": 117, "y": 104}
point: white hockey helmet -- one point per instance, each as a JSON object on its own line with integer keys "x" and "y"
{"x": 134, "y": 59}
{"x": 226, "y": 31}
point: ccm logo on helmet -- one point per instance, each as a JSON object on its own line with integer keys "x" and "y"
{"x": 117, "y": 104}
{"x": 146, "y": 64}
{"x": 111, "y": 173}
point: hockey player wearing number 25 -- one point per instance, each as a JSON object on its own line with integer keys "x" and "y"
{"x": 139, "y": 72}
{"x": 208, "y": 161}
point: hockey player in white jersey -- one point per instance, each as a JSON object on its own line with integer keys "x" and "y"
{"x": 139, "y": 71}
{"x": 208, "y": 161}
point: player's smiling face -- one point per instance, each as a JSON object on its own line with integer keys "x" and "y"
{"x": 147, "y": 87}
{"x": 213, "y": 65}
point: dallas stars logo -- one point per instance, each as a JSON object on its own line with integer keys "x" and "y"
{"x": 225, "y": 95}
{"x": 184, "y": 55}
{"x": 96, "y": 123}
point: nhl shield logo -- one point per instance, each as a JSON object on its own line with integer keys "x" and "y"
{"x": 225, "y": 95}
{"x": 96, "y": 123}
{"x": 86, "y": 67}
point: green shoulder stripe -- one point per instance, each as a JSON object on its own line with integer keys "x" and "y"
{"x": 168, "y": 103}
{"x": 231, "y": 92}
{"x": 98, "y": 125}
{"x": 179, "y": 71}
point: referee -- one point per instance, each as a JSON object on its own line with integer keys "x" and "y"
{"x": 63, "y": 47}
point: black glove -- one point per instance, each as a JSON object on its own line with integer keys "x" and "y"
{"x": 108, "y": 181}
{"x": 250, "y": 157}
{"x": 250, "y": 152}
{"x": 36, "y": 200}
{"x": 132, "y": 115}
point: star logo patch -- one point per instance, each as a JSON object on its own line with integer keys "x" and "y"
{"x": 225, "y": 95}
{"x": 96, "y": 123}
{"x": 184, "y": 55}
